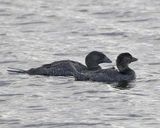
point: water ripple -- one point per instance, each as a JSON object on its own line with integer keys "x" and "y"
{"x": 31, "y": 23}
{"x": 155, "y": 63}
{"x": 108, "y": 34}
{"x": 4, "y": 83}
{"x": 5, "y": 14}
{"x": 10, "y": 95}
{"x": 8, "y": 61}
{"x": 64, "y": 124}
{"x": 83, "y": 10}
{"x": 11, "y": 121}
{"x": 104, "y": 13}
{"x": 91, "y": 92}
{"x": 137, "y": 20}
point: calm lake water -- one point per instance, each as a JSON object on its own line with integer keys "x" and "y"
{"x": 36, "y": 32}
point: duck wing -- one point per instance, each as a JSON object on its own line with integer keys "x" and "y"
{"x": 110, "y": 75}
{"x": 57, "y": 68}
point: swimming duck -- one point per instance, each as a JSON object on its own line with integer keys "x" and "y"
{"x": 122, "y": 73}
{"x": 63, "y": 68}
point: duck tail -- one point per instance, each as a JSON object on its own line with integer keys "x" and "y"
{"x": 16, "y": 70}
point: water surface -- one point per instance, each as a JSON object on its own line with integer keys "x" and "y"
{"x": 42, "y": 31}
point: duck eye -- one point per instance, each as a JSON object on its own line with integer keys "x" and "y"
{"x": 128, "y": 60}
{"x": 102, "y": 57}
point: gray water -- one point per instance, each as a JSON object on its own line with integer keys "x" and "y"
{"x": 36, "y": 32}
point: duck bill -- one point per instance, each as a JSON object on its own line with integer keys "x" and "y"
{"x": 134, "y": 59}
{"x": 106, "y": 60}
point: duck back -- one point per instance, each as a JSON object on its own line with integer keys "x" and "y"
{"x": 105, "y": 75}
{"x": 57, "y": 68}
{"x": 112, "y": 75}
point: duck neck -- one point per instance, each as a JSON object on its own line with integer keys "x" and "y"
{"x": 123, "y": 69}
{"x": 93, "y": 67}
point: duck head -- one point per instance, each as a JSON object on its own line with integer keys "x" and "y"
{"x": 123, "y": 60}
{"x": 94, "y": 58}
